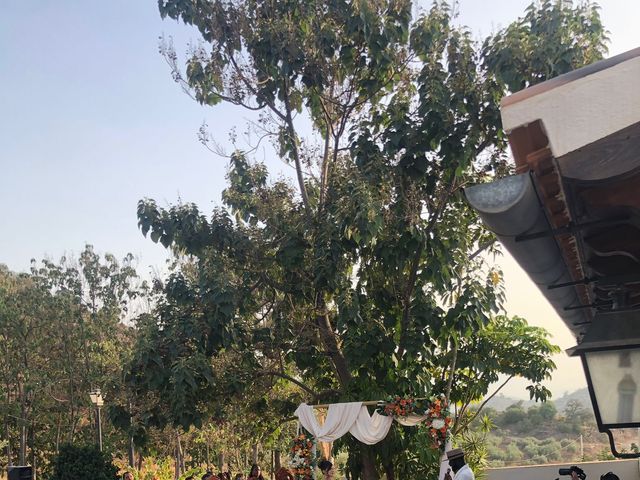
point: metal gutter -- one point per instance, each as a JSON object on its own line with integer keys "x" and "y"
{"x": 510, "y": 207}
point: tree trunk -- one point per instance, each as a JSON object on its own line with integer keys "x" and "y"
{"x": 276, "y": 460}
{"x": 58, "y": 430}
{"x": 140, "y": 461}
{"x": 254, "y": 453}
{"x": 23, "y": 441}
{"x": 8, "y": 435}
{"x": 220, "y": 462}
{"x": 32, "y": 445}
{"x": 369, "y": 471}
{"x": 331, "y": 345}
{"x": 132, "y": 453}
{"x": 178, "y": 459}
{"x": 389, "y": 471}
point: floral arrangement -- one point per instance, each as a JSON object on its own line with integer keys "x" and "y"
{"x": 301, "y": 461}
{"x": 435, "y": 410}
{"x": 397, "y": 406}
{"x": 438, "y": 420}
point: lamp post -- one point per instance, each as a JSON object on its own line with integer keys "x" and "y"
{"x": 97, "y": 400}
{"x": 610, "y": 354}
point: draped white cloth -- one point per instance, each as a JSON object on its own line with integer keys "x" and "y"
{"x": 352, "y": 417}
{"x": 411, "y": 420}
{"x": 340, "y": 419}
{"x": 370, "y": 429}
{"x": 444, "y": 462}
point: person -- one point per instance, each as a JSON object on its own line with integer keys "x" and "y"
{"x": 326, "y": 467}
{"x": 239, "y": 476}
{"x": 458, "y": 465}
{"x": 127, "y": 476}
{"x": 255, "y": 473}
{"x": 609, "y": 476}
{"x": 283, "y": 474}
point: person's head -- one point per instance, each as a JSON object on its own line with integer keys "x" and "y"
{"x": 609, "y": 476}
{"x": 456, "y": 459}
{"x": 325, "y": 466}
{"x": 207, "y": 476}
{"x": 255, "y": 470}
{"x": 127, "y": 476}
{"x": 239, "y": 476}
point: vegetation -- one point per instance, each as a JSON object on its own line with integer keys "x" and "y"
{"x": 83, "y": 462}
{"x": 366, "y": 275}
{"x": 540, "y": 434}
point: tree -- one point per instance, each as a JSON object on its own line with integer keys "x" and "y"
{"x": 357, "y": 281}
{"x": 61, "y": 336}
{"x": 508, "y": 347}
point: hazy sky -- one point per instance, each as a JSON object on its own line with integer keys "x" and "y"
{"x": 91, "y": 122}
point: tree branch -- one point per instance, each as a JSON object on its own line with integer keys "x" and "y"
{"x": 482, "y": 248}
{"x": 485, "y": 401}
{"x": 273, "y": 373}
{"x": 415, "y": 263}
{"x": 294, "y": 149}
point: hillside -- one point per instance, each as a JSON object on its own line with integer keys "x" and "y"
{"x": 526, "y": 433}
{"x": 501, "y": 402}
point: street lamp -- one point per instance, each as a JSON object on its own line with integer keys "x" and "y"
{"x": 97, "y": 400}
{"x": 610, "y": 353}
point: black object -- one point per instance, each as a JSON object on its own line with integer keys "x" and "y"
{"x": 20, "y": 473}
{"x": 573, "y": 468}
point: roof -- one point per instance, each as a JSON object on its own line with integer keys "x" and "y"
{"x": 571, "y": 215}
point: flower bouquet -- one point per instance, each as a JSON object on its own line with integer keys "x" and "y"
{"x": 438, "y": 420}
{"x": 397, "y": 406}
{"x": 300, "y": 460}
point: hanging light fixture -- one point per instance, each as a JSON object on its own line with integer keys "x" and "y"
{"x": 610, "y": 353}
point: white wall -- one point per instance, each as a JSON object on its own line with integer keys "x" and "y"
{"x": 625, "y": 469}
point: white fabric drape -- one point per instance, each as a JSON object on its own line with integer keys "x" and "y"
{"x": 340, "y": 418}
{"x": 370, "y": 429}
{"x": 411, "y": 420}
{"x": 444, "y": 462}
{"x": 354, "y": 418}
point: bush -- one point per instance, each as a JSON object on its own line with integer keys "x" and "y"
{"x": 513, "y": 453}
{"x": 86, "y": 462}
{"x": 513, "y": 415}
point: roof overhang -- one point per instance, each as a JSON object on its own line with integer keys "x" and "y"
{"x": 571, "y": 215}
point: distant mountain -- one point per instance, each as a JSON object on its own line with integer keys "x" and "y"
{"x": 501, "y": 402}
{"x": 581, "y": 396}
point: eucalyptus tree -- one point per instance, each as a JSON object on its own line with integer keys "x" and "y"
{"x": 362, "y": 276}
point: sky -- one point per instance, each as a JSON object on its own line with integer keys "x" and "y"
{"x": 91, "y": 122}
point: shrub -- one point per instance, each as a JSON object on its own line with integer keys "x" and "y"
{"x": 83, "y": 462}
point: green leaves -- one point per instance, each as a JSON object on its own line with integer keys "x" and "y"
{"x": 366, "y": 279}
{"x": 551, "y": 39}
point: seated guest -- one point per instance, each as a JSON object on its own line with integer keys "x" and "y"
{"x": 255, "y": 473}
{"x": 283, "y": 474}
{"x": 326, "y": 467}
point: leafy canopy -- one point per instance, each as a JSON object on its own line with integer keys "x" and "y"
{"x": 362, "y": 277}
